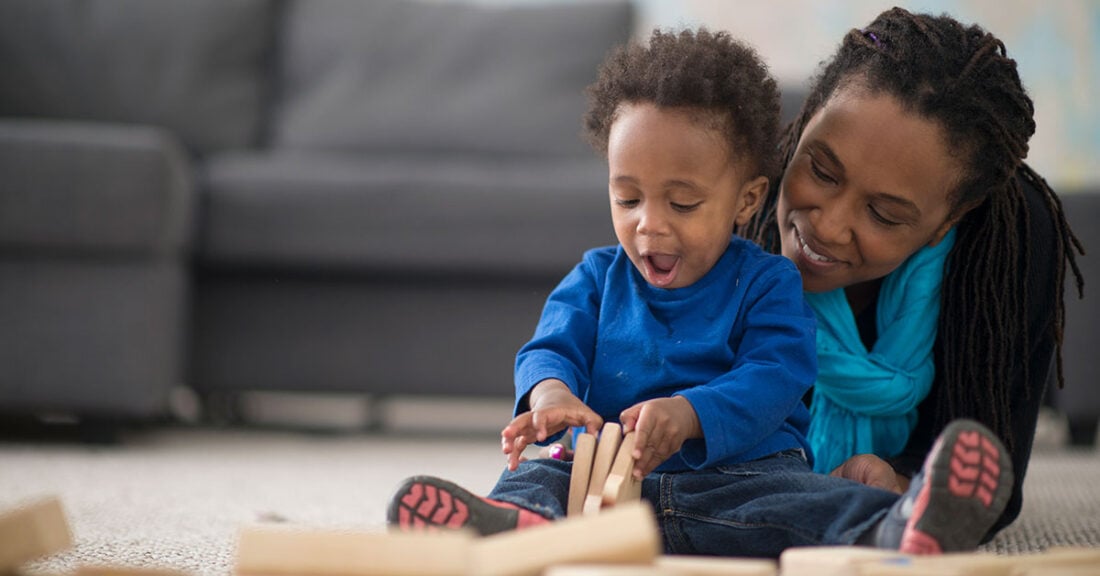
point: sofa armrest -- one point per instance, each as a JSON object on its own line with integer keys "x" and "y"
{"x": 71, "y": 188}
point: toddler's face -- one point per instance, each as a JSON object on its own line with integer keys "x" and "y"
{"x": 676, "y": 191}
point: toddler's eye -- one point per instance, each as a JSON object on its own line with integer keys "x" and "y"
{"x": 626, "y": 203}
{"x": 685, "y": 207}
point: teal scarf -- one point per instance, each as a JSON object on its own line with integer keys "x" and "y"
{"x": 866, "y": 402}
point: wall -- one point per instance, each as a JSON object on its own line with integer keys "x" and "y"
{"x": 1056, "y": 44}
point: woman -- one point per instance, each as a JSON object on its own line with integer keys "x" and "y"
{"x": 923, "y": 237}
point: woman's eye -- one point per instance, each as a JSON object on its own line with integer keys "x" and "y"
{"x": 626, "y": 203}
{"x": 685, "y": 207}
{"x": 820, "y": 174}
{"x": 881, "y": 218}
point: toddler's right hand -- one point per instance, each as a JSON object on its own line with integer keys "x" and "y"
{"x": 553, "y": 408}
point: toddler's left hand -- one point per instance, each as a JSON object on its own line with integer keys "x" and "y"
{"x": 661, "y": 426}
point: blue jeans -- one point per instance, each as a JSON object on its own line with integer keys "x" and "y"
{"x": 757, "y": 508}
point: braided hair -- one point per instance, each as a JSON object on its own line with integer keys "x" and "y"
{"x": 960, "y": 78}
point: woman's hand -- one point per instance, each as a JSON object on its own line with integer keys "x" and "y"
{"x": 873, "y": 471}
{"x": 554, "y": 408}
{"x": 661, "y": 426}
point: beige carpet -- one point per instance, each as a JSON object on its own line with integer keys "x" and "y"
{"x": 176, "y": 497}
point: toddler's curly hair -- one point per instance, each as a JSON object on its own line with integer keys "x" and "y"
{"x": 709, "y": 72}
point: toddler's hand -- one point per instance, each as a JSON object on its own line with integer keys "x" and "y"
{"x": 661, "y": 426}
{"x": 553, "y": 408}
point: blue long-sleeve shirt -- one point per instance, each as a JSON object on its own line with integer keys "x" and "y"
{"x": 738, "y": 344}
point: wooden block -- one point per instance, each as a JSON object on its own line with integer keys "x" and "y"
{"x": 712, "y": 566}
{"x": 982, "y": 564}
{"x": 605, "y": 570}
{"x": 606, "y": 450}
{"x": 1058, "y": 561}
{"x": 952, "y": 564}
{"x": 673, "y": 566}
{"x": 986, "y": 565}
{"x": 31, "y": 531}
{"x": 1080, "y": 570}
{"x": 621, "y": 485}
{"x": 289, "y": 552}
{"x": 829, "y": 560}
{"x": 583, "y": 454}
{"x": 625, "y": 534}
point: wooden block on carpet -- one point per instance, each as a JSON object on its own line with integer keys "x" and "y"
{"x": 289, "y": 552}
{"x": 605, "y": 570}
{"x": 1081, "y": 570}
{"x": 31, "y": 531}
{"x": 829, "y": 560}
{"x": 672, "y": 566}
{"x": 625, "y": 534}
{"x": 583, "y": 454}
{"x": 712, "y": 566}
{"x": 984, "y": 564}
{"x": 1071, "y": 561}
{"x": 621, "y": 485}
{"x": 953, "y": 564}
{"x": 606, "y": 449}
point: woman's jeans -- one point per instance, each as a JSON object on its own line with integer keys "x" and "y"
{"x": 757, "y": 508}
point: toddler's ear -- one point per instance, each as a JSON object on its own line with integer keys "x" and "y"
{"x": 752, "y": 196}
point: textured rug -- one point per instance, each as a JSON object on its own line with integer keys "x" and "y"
{"x": 175, "y": 498}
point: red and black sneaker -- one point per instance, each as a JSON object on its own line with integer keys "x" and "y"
{"x": 427, "y": 503}
{"x": 962, "y": 490}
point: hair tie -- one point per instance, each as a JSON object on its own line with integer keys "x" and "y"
{"x": 873, "y": 37}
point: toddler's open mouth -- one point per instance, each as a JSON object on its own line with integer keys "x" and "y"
{"x": 662, "y": 269}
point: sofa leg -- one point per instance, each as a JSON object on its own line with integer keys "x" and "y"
{"x": 1083, "y": 432}
{"x": 221, "y": 409}
{"x": 64, "y": 429}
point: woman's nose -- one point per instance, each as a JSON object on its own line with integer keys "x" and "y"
{"x": 834, "y": 223}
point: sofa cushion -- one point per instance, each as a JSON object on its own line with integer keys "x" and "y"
{"x": 197, "y": 67}
{"x": 410, "y": 76}
{"x": 403, "y": 213}
{"x": 84, "y": 189}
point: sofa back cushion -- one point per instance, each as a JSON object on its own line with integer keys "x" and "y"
{"x": 196, "y": 67}
{"x": 441, "y": 77}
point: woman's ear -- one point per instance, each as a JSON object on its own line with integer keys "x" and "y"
{"x": 752, "y": 196}
{"x": 942, "y": 231}
{"x": 944, "y": 228}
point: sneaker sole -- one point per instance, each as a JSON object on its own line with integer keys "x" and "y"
{"x": 967, "y": 485}
{"x": 427, "y": 504}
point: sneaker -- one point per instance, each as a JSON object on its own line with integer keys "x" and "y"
{"x": 427, "y": 503}
{"x": 958, "y": 495}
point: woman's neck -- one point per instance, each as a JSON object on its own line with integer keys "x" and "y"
{"x": 861, "y": 295}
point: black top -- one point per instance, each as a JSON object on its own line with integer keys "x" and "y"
{"x": 1026, "y": 389}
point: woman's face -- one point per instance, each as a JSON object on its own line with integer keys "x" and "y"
{"x": 867, "y": 187}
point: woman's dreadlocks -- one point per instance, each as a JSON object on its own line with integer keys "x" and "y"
{"x": 961, "y": 78}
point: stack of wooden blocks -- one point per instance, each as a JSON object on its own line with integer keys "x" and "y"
{"x": 617, "y": 540}
{"x": 602, "y": 471}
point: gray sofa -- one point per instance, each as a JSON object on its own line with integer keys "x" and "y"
{"x": 306, "y": 195}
